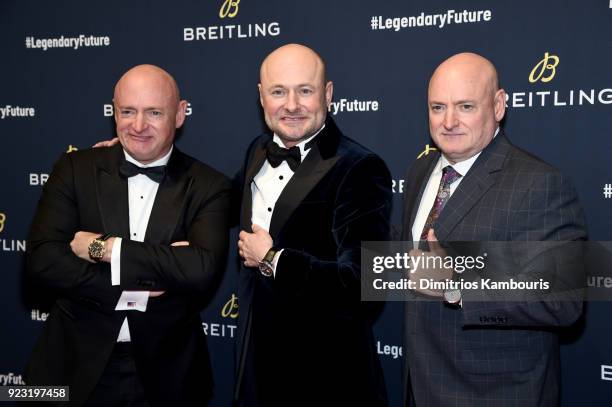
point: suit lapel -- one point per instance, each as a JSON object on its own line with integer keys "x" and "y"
{"x": 253, "y": 166}
{"x": 169, "y": 200}
{"x": 479, "y": 179}
{"x": 112, "y": 193}
{"x": 303, "y": 181}
{"x": 420, "y": 173}
{"x": 320, "y": 159}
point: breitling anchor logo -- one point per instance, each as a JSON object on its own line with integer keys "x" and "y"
{"x": 230, "y": 309}
{"x": 548, "y": 63}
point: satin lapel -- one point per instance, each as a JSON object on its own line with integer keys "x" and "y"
{"x": 477, "y": 182}
{"x": 254, "y": 165}
{"x": 169, "y": 200}
{"x": 309, "y": 173}
{"x": 420, "y": 174}
{"x": 112, "y": 194}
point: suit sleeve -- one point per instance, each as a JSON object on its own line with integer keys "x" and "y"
{"x": 193, "y": 269}
{"x": 361, "y": 213}
{"x": 545, "y": 243}
{"x": 50, "y": 262}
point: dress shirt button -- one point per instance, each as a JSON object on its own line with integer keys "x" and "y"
{"x": 280, "y": 177}
{"x": 269, "y": 209}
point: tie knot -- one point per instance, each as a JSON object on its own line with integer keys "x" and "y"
{"x": 128, "y": 169}
{"x": 449, "y": 175}
{"x": 276, "y": 155}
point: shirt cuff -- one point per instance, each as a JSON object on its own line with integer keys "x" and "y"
{"x": 116, "y": 262}
{"x": 133, "y": 301}
{"x": 275, "y": 262}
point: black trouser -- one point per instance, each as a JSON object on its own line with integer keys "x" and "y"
{"x": 119, "y": 384}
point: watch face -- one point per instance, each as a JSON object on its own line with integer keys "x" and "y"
{"x": 96, "y": 249}
{"x": 452, "y": 296}
{"x": 266, "y": 268}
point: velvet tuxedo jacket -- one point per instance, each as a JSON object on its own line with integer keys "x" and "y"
{"x": 304, "y": 337}
{"x": 86, "y": 192}
{"x": 490, "y": 353}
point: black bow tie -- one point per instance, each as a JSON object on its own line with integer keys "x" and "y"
{"x": 276, "y": 155}
{"x": 127, "y": 170}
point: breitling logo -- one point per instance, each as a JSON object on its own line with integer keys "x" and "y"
{"x": 10, "y": 245}
{"x": 543, "y": 72}
{"x": 229, "y": 8}
{"x": 231, "y": 31}
{"x": 428, "y": 149}
{"x": 230, "y": 309}
{"x": 547, "y": 64}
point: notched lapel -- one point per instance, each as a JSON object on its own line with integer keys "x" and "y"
{"x": 254, "y": 165}
{"x": 480, "y": 178}
{"x": 308, "y": 174}
{"x": 169, "y": 201}
{"x": 112, "y": 195}
{"x": 421, "y": 174}
{"x": 467, "y": 195}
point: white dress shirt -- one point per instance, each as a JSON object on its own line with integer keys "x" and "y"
{"x": 431, "y": 190}
{"x": 141, "y": 196}
{"x": 268, "y": 185}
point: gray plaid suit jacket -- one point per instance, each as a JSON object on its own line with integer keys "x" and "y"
{"x": 491, "y": 354}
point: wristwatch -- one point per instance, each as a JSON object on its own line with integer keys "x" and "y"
{"x": 453, "y": 297}
{"x": 265, "y": 265}
{"x": 97, "y": 247}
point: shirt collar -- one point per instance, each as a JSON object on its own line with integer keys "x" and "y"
{"x": 301, "y": 145}
{"x": 161, "y": 161}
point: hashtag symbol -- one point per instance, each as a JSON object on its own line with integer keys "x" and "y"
{"x": 33, "y": 315}
{"x": 28, "y": 42}
{"x": 374, "y": 23}
{"x": 607, "y": 191}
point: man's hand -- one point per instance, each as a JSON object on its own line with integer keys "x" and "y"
{"x": 106, "y": 143}
{"x": 81, "y": 241}
{"x": 432, "y": 273}
{"x": 252, "y": 247}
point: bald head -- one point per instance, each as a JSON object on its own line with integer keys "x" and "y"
{"x": 150, "y": 75}
{"x": 292, "y": 57}
{"x": 466, "y": 105}
{"x": 471, "y": 67}
{"x": 294, "y": 93}
{"x": 148, "y": 110}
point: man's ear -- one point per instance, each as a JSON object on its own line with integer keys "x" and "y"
{"x": 181, "y": 113}
{"x": 329, "y": 93}
{"x": 499, "y": 104}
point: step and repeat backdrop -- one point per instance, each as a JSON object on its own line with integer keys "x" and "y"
{"x": 61, "y": 59}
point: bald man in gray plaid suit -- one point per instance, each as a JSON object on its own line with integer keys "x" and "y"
{"x": 480, "y": 187}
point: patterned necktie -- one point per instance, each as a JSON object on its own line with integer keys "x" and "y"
{"x": 449, "y": 175}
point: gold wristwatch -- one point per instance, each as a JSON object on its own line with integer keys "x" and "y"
{"x": 97, "y": 247}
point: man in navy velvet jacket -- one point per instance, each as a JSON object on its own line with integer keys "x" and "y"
{"x": 310, "y": 196}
